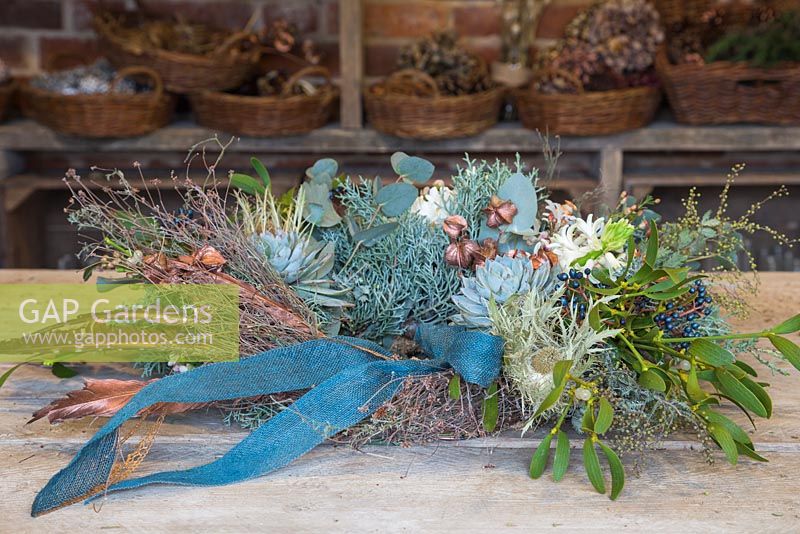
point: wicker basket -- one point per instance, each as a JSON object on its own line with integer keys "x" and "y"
{"x": 268, "y": 116}
{"x": 6, "y": 96}
{"x": 105, "y": 115}
{"x": 724, "y": 92}
{"x": 587, "y": 113}
{"x": 181, "y": 73}
{"x": 432, "y": 116}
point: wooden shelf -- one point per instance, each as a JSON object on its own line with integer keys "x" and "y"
{"x": 663, "y": 135}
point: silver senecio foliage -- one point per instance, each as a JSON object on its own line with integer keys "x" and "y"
{"x": 499, "y": 280}
{"x": 93, "y": 79}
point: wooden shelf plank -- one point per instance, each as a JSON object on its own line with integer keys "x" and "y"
{"x": 661, "y": 136}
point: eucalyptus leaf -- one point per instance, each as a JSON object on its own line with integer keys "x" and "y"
{"x": 519, "y": 189}
{"x": 319, "y": 208}
{"x": 396, "y": 158}
{"x": 323, "y": 172}
{"x": 540, "y": 456}
{"x": 370, "y": 236}
{"x": 412, "y": 168}
{"x": 396, "y": 198}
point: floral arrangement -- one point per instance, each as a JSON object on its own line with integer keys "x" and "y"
{"x": 604, "y": 327}
{"x": 610, "y": 45}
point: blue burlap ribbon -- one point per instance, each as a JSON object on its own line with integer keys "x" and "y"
{"x": 348, "y": 380}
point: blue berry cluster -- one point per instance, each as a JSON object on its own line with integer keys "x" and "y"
{"x": 181, "y": 215}
{"x": 679, "y": 319}
{"x": 574, "y": 298}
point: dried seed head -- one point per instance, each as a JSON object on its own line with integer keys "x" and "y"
{"x": 462, "y": 253}
{"x": 488, "y": 251}
{"x": 454, "y": 226}
{"x": 209, "y": 257}
{"x": 499, "y": 212}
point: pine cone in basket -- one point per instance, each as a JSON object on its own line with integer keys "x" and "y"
{"x": 456, "y": 71}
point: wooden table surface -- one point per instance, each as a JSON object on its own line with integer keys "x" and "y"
{"x": 472, "y": 486}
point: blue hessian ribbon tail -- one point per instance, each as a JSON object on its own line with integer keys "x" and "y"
{"x": 347, "y": 378}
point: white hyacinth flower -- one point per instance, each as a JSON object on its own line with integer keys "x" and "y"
{"x": 434, "y": 203}
{"x": 577, "y": 239}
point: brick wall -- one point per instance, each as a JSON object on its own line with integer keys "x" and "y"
{"x": 33, "y": 33}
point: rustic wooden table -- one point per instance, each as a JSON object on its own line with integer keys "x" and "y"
{"x": 473, "y": 486}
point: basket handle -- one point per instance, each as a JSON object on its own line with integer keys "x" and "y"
{"x": 158, "y": 83}
{"x": 313, "y": 70}
{"x": 232, "y": 40}
{"x": 413, "y": 75}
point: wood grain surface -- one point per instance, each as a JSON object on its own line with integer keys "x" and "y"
{"x": 470, "y": 486}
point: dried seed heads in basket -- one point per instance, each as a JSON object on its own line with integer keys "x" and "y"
{"x": 599, "y": 79}
{"x": 439, "y": 91}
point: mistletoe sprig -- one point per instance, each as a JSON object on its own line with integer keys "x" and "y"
{"x": 659, "y": 314}
{"x": 593, "y": 423}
